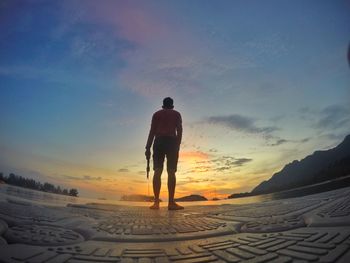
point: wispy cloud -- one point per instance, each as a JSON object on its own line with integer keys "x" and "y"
{"x": 240, "y": 123}
{"x": 79, "y": 178}
{"x": 330, "y": 123}
{"x": 92, "y": 178}
{"x": 123, "y": 170}
{"x": 241, "y": 161}
{"x": 193, "y": 180}
{"x": 228, "y": 162}
{"x": 279, "y": 142}
{"x": 217, "y": 164}
{"x": 333, "y": 117}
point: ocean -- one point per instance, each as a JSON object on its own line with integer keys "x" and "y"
{"x": 21, "y": 194}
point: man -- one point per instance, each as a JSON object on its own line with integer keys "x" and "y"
{"x": 166, "y": 128}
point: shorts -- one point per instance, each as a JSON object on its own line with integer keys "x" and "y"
{"x": 165, "y": 146}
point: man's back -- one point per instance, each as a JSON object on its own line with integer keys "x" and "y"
{"x": 166, "y": 122}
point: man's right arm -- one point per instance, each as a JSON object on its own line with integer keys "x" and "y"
{"x": 151, "y": 134}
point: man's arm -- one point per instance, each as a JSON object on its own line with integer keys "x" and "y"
{"x": 179, "y": 130}
{"x": 151, "y": 134}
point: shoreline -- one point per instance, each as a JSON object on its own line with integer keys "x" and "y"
{"x": 25, "y": 194}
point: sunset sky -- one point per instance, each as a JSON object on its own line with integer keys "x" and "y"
{"x": 258, "y": 84}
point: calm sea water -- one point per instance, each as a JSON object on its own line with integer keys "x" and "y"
{"x": 38, "y": 197}
{"x": 24, "y": 195}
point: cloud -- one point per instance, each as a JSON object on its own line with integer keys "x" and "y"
{"x": 84, "y": 177}
{"x": 228, "y": 162}
{"x": 305, "y": 140}
{"x": 92, "y": 178}
{"x": 279, "y": 142}
{"x": 190, "y": 179}
{"x": 218, "y": 164}
{"x": 241, "y": 161}
{"x": 330, "y": 118}
{"x": 123, "y": 170}
{"x": 240, "y": 123}
{"x": 333, "y": 117}
{"x": 222, "y": 168}
{"x": 70, "y": 177}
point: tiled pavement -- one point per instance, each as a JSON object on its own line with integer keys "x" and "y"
{"x": 313, "y": 228}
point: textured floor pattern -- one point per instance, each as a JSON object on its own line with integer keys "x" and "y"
{"x": 313, "y": 228}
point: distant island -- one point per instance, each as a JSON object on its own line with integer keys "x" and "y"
{"x": 20, "y": 181}
{"x": 239, "y": 195}
{"x": 315, "y": 168}
{"x": 137, "y": 198}
{"x": 190, "y": 198}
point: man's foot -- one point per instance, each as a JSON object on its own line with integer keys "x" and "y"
{"x": 174, "y": 206}
{"x": 155, "y": 206}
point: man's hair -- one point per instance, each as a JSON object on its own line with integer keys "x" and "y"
{"x": 168, "y": 103}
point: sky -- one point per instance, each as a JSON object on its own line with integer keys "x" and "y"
{"x": 258, "y": 83}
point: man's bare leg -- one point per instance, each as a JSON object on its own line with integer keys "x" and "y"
{"x": 171, "y": 188}
{"x": 156, "y": 187}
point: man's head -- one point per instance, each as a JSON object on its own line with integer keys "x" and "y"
{"x": 168, "y": 103}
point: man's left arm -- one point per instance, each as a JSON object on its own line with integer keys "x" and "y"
{"x": 179, "y": 130}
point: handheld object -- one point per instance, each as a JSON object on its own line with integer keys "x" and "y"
{"x": 147, "y": 169}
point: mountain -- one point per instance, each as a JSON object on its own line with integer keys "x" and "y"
{"x": 317, "y": 167}
{"x": 191, "y": 198}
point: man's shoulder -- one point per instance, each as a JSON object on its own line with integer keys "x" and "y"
{"x": 175, "y": 112}
{"x": 157, "y": 112}
{"x": 162, "y": 111}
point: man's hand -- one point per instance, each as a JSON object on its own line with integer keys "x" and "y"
{"x": 148, "y": 154}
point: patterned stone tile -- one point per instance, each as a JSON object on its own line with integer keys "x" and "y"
{"x": 21, "y": 213}
{"x": 287, "y": 208}
{"x": 3, "y": 227}
{"x": 308, "y": 244}
{"x": 42, "y": 235}
{"x": 305, "y": 244}
{"x": 2, "y": 241}
{"x": 309, "y": 229}
{"x": 92, "y": 214}
{"x": 19, "y": 252}
{"x": 334, "y": 213}
{"x": 273, "y": 224}
{"x": 161, "y": 228}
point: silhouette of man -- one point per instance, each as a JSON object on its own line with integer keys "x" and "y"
{"x": 166, "y": 130}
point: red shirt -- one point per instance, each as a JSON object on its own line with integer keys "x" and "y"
{"x": 165, "y": 122}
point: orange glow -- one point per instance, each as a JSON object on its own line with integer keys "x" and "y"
{"x": 194, "y": 156}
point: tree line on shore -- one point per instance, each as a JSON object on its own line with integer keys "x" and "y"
{"x": 17, "y": 180}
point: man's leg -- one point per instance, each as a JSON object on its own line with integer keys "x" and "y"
{"x": 171, "y": 188}
{"x": 157, "y": 183}
{"x": 156, "y": 187}
{"x": 171, "y": 185}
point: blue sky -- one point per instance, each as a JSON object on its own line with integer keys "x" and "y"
{"x": 258, "y": 84}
